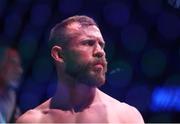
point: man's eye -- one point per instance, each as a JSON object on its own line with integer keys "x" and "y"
{"x": 102, "y": 45}
{"x": 89, "y": 42}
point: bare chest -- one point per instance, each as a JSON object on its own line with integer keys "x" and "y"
{"x": 93, "y": 115}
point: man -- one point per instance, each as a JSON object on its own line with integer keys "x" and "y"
{"x": 78, "y": 52}
{"x": 10, "y": 74}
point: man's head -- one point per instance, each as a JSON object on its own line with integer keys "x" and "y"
{"x": 78, "y": 47}
{"x": 10, "y": 67}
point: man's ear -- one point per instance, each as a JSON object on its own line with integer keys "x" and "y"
{"x": 56, "y": 53}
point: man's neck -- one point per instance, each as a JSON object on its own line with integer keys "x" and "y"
{"x": 74, "y": 97}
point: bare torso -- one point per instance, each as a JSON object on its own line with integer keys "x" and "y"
{"x": 107, "y": 111}
{"x": 96, "y": 113}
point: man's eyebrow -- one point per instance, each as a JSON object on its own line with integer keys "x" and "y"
{"x": 102, "y": 43}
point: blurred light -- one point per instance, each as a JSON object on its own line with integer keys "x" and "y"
{"x": 31, "y": 95}
{"x": 139, "y": 96}
{"x": 169, "y": 26}
{"x": 121, "y": 75}
{"x": 153, "y": 7}
{"x": 27, "y": 46}
{"x": 12, "y": 25}
{"x": 173, "y": 80}
{"x": 2, "y": 6}
{"x": 51, "y": 89}
{"x": 40, "y": 14}
{"x": 69, "y": 6}
{"x": 134, "y": 38}
{"x": 32, "y": 31}
{"x": 23, "y": 1}
{"x": 42, "y": 70}
{"x": 166, "y": 99}
{"x": 174, "y": 3}
{"x": 109, "y": 47}
{"x": 117, "y": 14}
{"x": 28, "y": 101}
{"x": 22, "y": 6}
{"x": 2, "y": 52}
{"x": 153, "y": 63}
{"x": 162, "y": 117}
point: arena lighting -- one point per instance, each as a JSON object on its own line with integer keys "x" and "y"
{"x": 152, "y": 7}
{"x": 120, "y": 76}
{"x": 134, "y": 37}
{"x": 69, "y": 6}
{"x": 117, "y": 14}
{"x": 166, "y": 99}
{"x": 174, "y": 3}
{"x": 153, "y": 62}
{"x": 168, "y": 26}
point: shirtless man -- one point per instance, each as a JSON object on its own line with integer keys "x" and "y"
{"x": 78, "y": 51}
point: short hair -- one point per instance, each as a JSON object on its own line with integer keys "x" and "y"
{"x": 58, "y": 34}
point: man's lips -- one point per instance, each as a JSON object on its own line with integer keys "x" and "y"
{"x": 100, "y": 65}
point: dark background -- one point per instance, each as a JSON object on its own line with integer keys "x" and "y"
{"x": 142, "y": 45}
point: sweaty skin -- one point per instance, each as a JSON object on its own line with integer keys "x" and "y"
{"x": 81, "y": 69}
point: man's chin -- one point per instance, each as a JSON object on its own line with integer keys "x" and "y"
{"x": 95, "y": 81}
{"x": 99, "y": 84}
{"x": 91, "y": 78}
{"x": 98, "y": 79}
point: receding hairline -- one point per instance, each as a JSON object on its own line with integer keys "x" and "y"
{"x": 81, "y": 19}
{"x": 59, "y": 32}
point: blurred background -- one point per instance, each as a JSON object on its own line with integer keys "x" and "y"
{"x": 142, "y": 45}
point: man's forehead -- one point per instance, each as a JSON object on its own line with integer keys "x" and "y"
{"x": 89, "y": 31}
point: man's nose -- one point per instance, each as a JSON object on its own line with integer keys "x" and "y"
{"x": 99, "y": 51}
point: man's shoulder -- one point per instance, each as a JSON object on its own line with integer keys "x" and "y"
{"x": 30, "y": 116}
{"x": 132, "y": 114}
{"x": 34, "y": 115}
{"x": 114, "y": 102}
{"x": 108, "y": 99}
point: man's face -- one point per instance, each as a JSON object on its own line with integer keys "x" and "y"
{"x": 85, "y": 56}
{"x": 12, "y": 69}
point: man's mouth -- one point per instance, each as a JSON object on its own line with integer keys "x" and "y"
{"x": 99, "y": 66}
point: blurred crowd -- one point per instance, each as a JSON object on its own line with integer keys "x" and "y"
{"x": 10, "y": 75}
